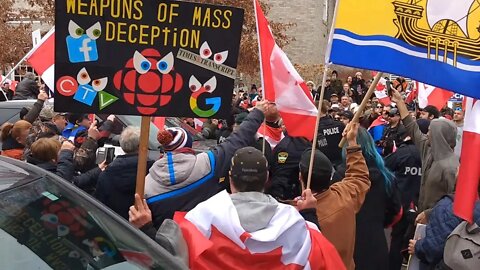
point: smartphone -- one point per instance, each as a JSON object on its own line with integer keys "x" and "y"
{"x": 106, "y": 154}
{"x": 389, "y": 88}
{"x": 101, "y": 155}
{"x": 110, "y": 155}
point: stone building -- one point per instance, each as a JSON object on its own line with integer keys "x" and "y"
{"x": 313, "y": 19}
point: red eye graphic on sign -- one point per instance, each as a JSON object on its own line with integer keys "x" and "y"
{"x": 148, "y": 81}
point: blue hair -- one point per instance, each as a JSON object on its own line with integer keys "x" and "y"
{"x": 371, "y": 155}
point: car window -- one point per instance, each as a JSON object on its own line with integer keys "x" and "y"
{"x": 9, "y": 115}
{"x": 44, "y": 225}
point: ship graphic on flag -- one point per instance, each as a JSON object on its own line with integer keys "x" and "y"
{"x": 433, "y": 41}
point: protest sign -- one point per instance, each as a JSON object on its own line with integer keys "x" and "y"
{"x": 165, "y": 58}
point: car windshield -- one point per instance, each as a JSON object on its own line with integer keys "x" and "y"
{"x": 44, "y": 225}
{"x": 136, "y": 121}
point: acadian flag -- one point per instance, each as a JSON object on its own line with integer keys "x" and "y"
{"x": 436, "y": 41}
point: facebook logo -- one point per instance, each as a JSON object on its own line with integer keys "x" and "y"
{"x": 82, "y": 49}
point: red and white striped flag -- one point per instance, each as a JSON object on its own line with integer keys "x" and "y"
{"x": 282, "y": 83}
{"x": 42, "y": 58}
{"x": 469, "y": 175}
{"x": 431, "y": 95}
{"x": 217, "y": 240}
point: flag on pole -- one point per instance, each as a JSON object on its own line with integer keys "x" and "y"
{"x": 199, "y": 123}
{"x": 469, "y": 175}
{"x": 42, "y": 58}
{"x": 431, "y": 95}
{"x": 159, "y": 122}
{"x": 411, "y": 38}
{"x": 13, "y": 85}
{"x": 273, "y": 135}
{"x": 381, "y": 92}
{"x": 282, "y": 84}
{"x": 217, "y": 240}
{"x": 412, "y": 95}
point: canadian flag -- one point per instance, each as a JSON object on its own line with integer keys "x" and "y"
{"x": 469, "y": 174}
{"x": 42, "y": 58}
{"x": 282, "y": 83}
{"x": 217, "y": 240}
{"x": 199, "y": 123}
{"x": 273, "y": 135}
{"x": 380, "y": 92}
{"x": 12, "y": 84}
{"x": 412, "y": 95}
{"x": 431, "y": 95}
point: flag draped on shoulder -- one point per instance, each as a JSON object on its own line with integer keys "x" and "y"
{"x": 216, "y": 240}
{"x": 436, "y": 42}
{"x": 282, "y": 84}
{"x": 469, "y": 175}
{"x": 42, "y": 58}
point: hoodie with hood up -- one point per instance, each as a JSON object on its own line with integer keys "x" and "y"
{"x": 439, "y": 163}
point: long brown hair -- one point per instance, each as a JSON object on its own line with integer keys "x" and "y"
{"x": 14, "y": 130}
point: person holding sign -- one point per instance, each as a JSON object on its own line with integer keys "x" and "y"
{"x": 180, "y": 180}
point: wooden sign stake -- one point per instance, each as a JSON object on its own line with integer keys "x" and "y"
{"x": 142, "y": 156}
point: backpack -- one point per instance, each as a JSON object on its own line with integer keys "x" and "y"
{"x": 462, "y": 249}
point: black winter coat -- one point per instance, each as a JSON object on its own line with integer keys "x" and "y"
{"x": 406, "y": 164}
{"x": 284, "y": 169}
{"x": 329, "y": 136}
{"x": 116, "y": 185}
{"x": 371, "y": 250}
{"x": 63, "y": 168}
{"x": 26, "y": 89}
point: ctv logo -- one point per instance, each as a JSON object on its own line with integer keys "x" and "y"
{"x": 81, "y": 44}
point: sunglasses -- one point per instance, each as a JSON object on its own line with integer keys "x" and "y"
{"x": 379, "y": 107}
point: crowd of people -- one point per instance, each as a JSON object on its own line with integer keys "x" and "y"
{"x": 398, "y": 169}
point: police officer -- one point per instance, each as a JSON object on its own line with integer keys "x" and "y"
{"x": 330, "y": 135}
{"x": 284, "y": 169}
{"x": 406, "y": 164}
